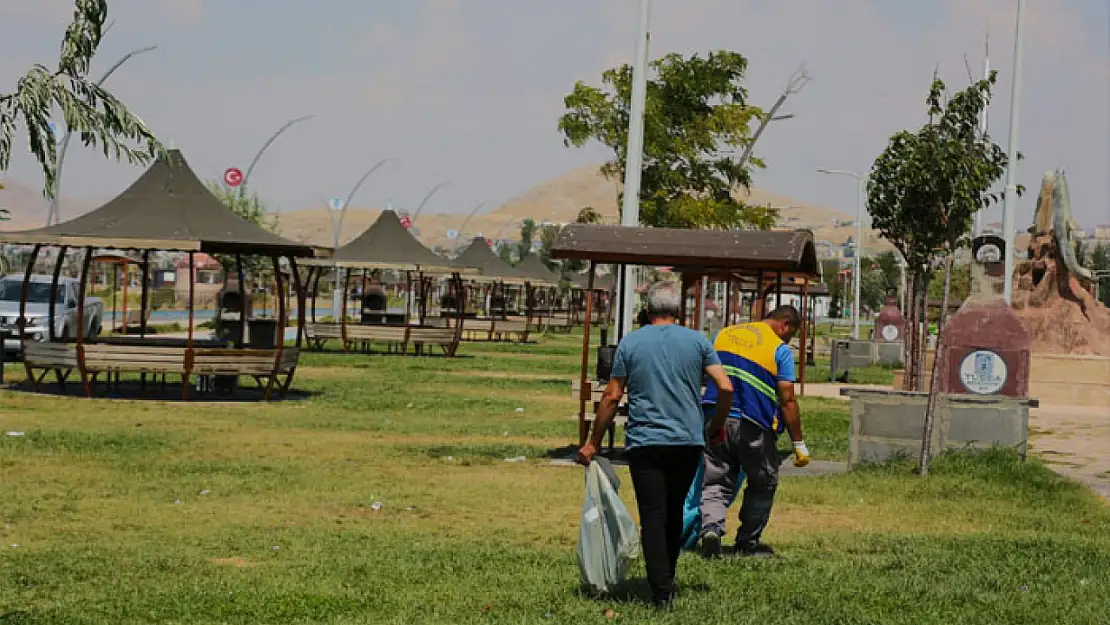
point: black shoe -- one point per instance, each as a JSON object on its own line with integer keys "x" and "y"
{"x": 759, "y": 551}
{"x": 664, "y": 603}
{"x": 711, "y": 545}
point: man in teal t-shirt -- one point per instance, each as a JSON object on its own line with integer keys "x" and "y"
{"x": 662, "y": 366}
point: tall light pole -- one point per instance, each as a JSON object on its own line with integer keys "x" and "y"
{"x": 420, "y": 206}
{"x": 52, "y": 215}
{"x": 630, "y": 206}
{"x": 266, "y": 146}
{"x": 977, "y": 225}
{"x": 858, "y": 252}
{"x": 337, "y": 227}
{"x": 1008, "y": 212}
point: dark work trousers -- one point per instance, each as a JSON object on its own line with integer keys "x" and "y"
{"x": 661, "y": 477}
{"x": 751, "y": 448}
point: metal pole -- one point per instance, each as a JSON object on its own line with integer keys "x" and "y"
{"x": 266, "y": 146}
{"x": 420, "y": 206}
{"x": 859, "y": 258}
{"x": 977, "y": 226}
{"x": 1008, "y": 213}
{"x": 630, "y": 207}
{"x": 860, "y": 202}
{"x": 52, "y": 215}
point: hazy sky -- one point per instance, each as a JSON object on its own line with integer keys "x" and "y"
{"x": 471, "y": 90}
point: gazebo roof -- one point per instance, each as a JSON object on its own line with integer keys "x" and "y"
{"x": 167, "y": 208}
{"x": 388, "y": 245}
{"x": 790, "y": 251}
{"x": 479, "y": 255}
{"x": 533, "y": 266}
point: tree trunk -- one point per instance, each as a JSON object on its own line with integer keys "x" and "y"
{"x": 923, "y": 342}
{"x": 909, "y": 334}
{"x": 934, "y": 386}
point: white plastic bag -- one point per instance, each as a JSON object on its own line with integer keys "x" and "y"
{"x": 607, "y": 540}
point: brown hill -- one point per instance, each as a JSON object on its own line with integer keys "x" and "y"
{"x": 557, "y": 201}
{"x": 27, "y": 207}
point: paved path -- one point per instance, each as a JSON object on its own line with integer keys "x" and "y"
{"x": 1073, "y": 440}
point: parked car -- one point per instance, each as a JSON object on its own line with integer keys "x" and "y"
{"x": 38, "y": 310}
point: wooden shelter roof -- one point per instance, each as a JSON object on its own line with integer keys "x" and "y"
{"x": 479, "y": 255}
{"x": 533, "y": 266}
{"x": 166, "y": 208}
{"x": 790, "y": 251}
{"x": 388, "y": 245}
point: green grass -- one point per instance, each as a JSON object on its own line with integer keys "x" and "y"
{"x": 140, "y": 512}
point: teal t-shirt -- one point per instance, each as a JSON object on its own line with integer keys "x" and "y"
{"x": 663, "y": 366}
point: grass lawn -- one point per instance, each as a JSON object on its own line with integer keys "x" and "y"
{"x": 229, "y": 513}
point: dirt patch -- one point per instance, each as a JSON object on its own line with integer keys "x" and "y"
{"x": 238, "y": 563}
{"x": 506, "y": 375}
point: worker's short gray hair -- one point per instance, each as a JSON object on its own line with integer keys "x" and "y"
{"x": 663, "y": 300}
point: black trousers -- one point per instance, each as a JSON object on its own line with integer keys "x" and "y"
{"x": 661, "y": 477}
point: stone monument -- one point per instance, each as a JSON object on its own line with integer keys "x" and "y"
{"x": 889, "y": 329}
{"x": 985, "y": 348}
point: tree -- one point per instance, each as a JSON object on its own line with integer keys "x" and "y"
{"x": 696, "y": 118}
{"x": 548, "y": 235}
{"x": 588, "y": 215}
{"x": 87, "y": 109}
{"x": 251, "y": 208}
{"x": 527, "y": 234}
{"x": 830, "y": 275}
{"x": 923, "y": 192}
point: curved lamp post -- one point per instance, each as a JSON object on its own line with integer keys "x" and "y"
{"x": 862, "y": 179}
{"x": 337, "y": 227}
{"x": 420, "y": 206}
{"x": 337, "y": 224}
{"x": 266, "y": 146}
{"x": 469, "y": 216}
{"x": 52, "y": 215}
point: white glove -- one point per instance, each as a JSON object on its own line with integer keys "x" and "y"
{"x": 801, "y": 454}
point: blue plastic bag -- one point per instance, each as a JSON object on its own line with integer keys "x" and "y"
{"x": 691, "y": 510}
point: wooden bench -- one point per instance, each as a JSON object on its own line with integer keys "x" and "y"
{"x": 268, "y": 371}
{"x": 61, "y": 358}
{"x": 395, "y": 337}
{"x": 317, "y": 334}
{"x": 444, "y": 338}
{"x": 478, "y": 329}
{"x": 506, "y": 329}
{"x": 597, "y": 389}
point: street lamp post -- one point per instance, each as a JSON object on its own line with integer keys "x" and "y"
{"x": 266, "y": 146}
{"x": 630, "y": 206}
{"x": 1010, "y": 208}
{"x": 52, "y": 215}
{"x": 420, "y": 206}
{"x": 858, "y": 251}
{"x": 337, "y": 227}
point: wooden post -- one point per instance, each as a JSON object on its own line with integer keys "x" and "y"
{"x": 144, "y": 305}
{"x": 585, "y": 393}
{"x": 803, "y": 342}
{"x": 778, "y": 289}
{"x": 408, "y": 297}
{"x": 126, "y": 282}
{"x": 299, "y": 287}
{"x": 80, "y": 329}
{"x": 21, "y": 323}
{"x": 343, "y": 307}
{"x": 758, "y": 300}
{"x": 54, "y": 293}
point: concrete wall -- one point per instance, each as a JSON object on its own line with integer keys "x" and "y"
{"x": 885, "y": 424}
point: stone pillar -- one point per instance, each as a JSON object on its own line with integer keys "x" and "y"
{"x": 986, "y": 349}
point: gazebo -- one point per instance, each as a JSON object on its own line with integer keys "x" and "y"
{"x": 166, "y": 209}
{"x": 386, "y": 246}
{"x": 698, "y": 256}
{"x": 496, "y": 274}
{"x": 543, "y": 292}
